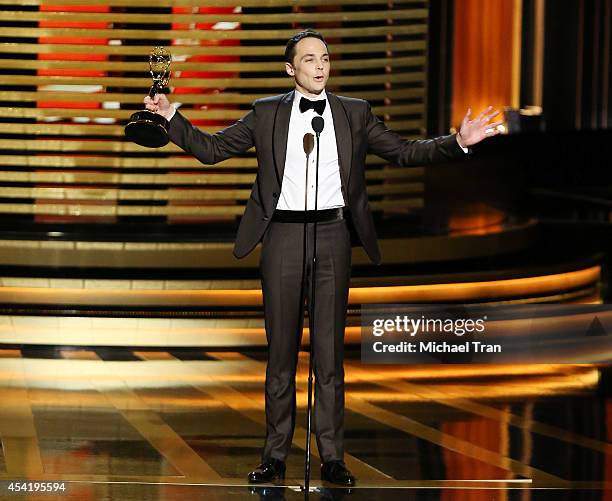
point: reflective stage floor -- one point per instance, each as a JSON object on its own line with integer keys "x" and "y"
{"x": 118, "y": 424}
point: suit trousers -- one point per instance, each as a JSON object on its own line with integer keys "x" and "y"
{"x": 283, "y": 249}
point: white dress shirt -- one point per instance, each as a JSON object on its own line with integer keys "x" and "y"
{"x": 293, "y": 185}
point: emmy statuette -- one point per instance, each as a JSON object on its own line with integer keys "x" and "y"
{"x": 145, "y": 127}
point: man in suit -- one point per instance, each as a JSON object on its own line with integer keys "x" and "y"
{"x": 282, "y": 213}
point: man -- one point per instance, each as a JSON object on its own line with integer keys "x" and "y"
{"x": 281, "y": 213}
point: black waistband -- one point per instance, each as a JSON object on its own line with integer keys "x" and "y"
{"x": 309, "y": 216}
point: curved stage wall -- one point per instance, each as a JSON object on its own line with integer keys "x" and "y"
{"x": 229, "y": 313}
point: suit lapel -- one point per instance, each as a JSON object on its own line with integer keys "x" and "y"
{"x": 281, "y": 134}
{"x": 344, "y": 138}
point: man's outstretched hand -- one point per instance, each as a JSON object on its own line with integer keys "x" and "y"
{"x": 160, "y": 104}
{"x": 474, "y": 131}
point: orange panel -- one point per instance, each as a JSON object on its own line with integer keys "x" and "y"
{"x": 482, "y": 55}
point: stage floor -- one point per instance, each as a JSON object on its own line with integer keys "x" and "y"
{"x": 120, "y": 424}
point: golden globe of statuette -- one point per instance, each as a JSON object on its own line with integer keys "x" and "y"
{"x": 145, "y": 127}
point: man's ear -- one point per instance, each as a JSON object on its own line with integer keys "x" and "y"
{"x": 289, "y": 69}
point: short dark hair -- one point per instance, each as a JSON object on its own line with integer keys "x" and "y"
{"x": 292, "y": 42}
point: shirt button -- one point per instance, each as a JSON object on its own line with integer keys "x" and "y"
{"x": 275, "y": 195}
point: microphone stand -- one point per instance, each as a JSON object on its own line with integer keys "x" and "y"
{"x": 308, "y": 147}
{"x": 317, "y": 125}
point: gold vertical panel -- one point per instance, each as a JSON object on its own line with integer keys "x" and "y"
{"x": 517, "y": 26}
{"x": 538, "y": 55}
{"x": 605, "y": 58}
{"x": 74, "y": 72}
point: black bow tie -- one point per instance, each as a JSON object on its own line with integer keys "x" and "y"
{"x": 318, "y": 106}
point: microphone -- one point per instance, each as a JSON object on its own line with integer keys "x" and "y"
{"x": 317, "y": 125}
{"x": 308, "y": 143}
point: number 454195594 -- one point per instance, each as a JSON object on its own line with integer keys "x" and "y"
{"x": 39, "y": 487}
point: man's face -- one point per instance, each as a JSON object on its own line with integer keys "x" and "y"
{"x": 310, "y": 68}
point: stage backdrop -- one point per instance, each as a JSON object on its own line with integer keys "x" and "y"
{"x": 71, "y": 75}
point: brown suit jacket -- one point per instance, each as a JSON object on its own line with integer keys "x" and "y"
{"x": 266, "y": 126}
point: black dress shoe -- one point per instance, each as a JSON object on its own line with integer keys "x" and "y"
{"x": 336, "y": 472}
{"x": 268, "y": 471}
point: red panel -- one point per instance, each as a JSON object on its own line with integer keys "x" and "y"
{"x": 69, "y": 56}
{"x": 178, "y": 89}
